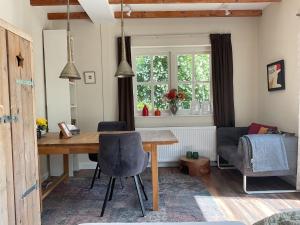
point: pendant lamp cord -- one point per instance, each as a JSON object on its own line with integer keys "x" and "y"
{"x": 123, "y": 34}
{"x": 68, "y": 33}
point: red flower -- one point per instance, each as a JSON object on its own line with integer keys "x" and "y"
{"x": 173, "y": 96}
{"x": 181, "y": 96}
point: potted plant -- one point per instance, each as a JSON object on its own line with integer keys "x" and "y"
{"x": 173, "y": 98}
{"x": 42, "y": 126}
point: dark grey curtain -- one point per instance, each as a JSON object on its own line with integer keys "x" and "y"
{"x": 222, "y": 80}
{"x": 125, "y": 89}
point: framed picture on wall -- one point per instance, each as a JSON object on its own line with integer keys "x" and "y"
{"x": 89, "y": 77}
{"x": 276, "y": 76}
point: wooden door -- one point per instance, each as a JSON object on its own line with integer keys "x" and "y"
{"x": 24, "y": 144}
{"x": 7, "y": 213}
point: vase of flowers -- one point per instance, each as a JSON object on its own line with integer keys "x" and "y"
{"x": 42, "y": 126}
{"x": 173, "y": 97}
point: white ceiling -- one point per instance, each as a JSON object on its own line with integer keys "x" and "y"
{"x": 193, "y": 6}
{"x": 59, "y": 9}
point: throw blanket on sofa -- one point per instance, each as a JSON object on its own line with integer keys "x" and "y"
{"x": 267, "y": 152}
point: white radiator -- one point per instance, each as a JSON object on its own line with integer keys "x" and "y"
{"x": 196, "y": 139}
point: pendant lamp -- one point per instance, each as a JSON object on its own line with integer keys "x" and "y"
{"x": 124, "y": 69}
{"x": 70, "y": 71}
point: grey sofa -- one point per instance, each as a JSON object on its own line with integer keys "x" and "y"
{"x": 228, "y": 149}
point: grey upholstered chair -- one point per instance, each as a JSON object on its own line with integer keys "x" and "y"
{"x": 105, "y": 126}
{"x": 122, "y": 155}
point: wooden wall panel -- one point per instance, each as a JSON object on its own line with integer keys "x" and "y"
{"x": 24, "y": 142}
{"x": 17, "y": 128}
{"x": 7, "y": 214}
{"x": 30, "y": 144}
{"x": 19, "y": 178}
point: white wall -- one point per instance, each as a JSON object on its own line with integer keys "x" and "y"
{"x": 87, "y": 54}
{"x": 244, "y": 39}
{"x": 32, "y": 21}
{"x": 95, "y": 49}
{"x": 278, "y": 31}
{"x": 89, "y": 46}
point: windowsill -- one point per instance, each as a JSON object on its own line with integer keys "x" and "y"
{"x": 173, "y": 116}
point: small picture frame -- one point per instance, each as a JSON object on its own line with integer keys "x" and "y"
{"x": 64, "y": 131}
{"x": 276, "y": 76}
{"x": 89, "y": 77}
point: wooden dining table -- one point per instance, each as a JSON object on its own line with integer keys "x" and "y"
{"x": 88, "y": 142}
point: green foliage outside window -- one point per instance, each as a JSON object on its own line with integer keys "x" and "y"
{"x": 196, "y": 85}
{"x": 153, "y": 78}
{"x": 155, "y": 69}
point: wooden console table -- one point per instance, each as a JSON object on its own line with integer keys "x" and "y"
{"x": 88, "y": 142}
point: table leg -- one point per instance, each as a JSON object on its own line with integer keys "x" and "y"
{"x": 154, "y": 170}
{"x": 40, "y": 184}
{"x": 66, "y": 166}
{"x": 63, "y": 177}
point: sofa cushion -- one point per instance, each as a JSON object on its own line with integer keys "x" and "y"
{"x": 230, "y": 135}
{"x": 227, "y": 152}
{"x": 255, "y": 128}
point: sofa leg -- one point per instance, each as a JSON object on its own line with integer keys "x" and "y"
{"x": 224, "y": 166}
{"x": 263, "y": 192}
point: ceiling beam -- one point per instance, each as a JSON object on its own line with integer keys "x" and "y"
{"x": 186, "y": 14}
{"x": 188, "y": 1}
{"x": 63, "y": 16}
{"x": 52, "y": 2}
{"x": 164, "y": 14}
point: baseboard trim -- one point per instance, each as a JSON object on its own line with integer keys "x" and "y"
{"x": 87, "y": 165}
{"x": 92, "y": 165}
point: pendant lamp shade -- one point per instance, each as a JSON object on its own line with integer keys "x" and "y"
{"x": 124, "y": 69}
{"x": 70, "y": 71}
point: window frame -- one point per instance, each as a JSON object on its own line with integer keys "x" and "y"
{"x": 172, "y": 53}
{"x": 193, "y": 82}
{"x": 152, "y": 82}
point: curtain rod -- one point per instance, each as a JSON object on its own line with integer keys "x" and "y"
{"x": 171, "y": 35}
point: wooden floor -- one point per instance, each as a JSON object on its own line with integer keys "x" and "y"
{"x": 226, "y": 188}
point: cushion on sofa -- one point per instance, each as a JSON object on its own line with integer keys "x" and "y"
{"x": 227, "y": 152}
{"x": 255, "y": 128}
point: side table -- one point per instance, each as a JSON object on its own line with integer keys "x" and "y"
{"x": 196, "y": 167}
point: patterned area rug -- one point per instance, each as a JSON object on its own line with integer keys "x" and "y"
{"x": 182, "y": 199}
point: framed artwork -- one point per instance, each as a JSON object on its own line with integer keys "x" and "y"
{"x": 276, "y": 76}
{"x": 64, "y": 131}
{"x": 89, "y": 77}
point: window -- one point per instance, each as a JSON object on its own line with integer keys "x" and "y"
{"x": 160, "y": 69}
{"x": 152, "y": 76}
{"x": 193, "y": 77}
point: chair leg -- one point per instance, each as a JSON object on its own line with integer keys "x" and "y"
{"x": 121, "y": 182}
{"x": 143, "y": 187}
{"x": 94, "y": 177}
{"x": 139, "y": 195}
{"x": 112, "y": 189}
{"x": 106, "y": 196}
{"x": 99, "y": 172}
